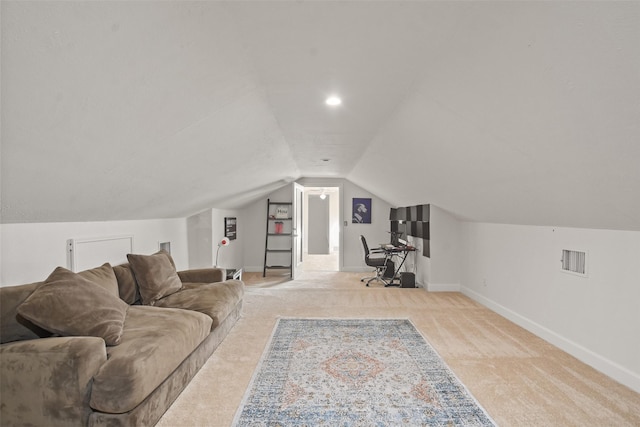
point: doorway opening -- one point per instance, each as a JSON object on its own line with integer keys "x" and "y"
{"x": 321, "y": 229}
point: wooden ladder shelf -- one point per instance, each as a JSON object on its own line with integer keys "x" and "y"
{"x": 278, "y": 237}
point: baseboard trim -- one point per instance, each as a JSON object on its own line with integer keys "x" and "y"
{"x": 595, "y": 360}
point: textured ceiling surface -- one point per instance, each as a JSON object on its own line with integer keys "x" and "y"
{"x": 510, "y": 112}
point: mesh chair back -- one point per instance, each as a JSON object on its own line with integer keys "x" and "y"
{"x": 365, "y": 246}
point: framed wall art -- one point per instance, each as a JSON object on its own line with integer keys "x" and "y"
{"x": 230, "y": 228}
{"x": 361, "y": 211}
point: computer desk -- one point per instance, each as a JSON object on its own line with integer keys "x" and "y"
{"x": 400, "y": 252}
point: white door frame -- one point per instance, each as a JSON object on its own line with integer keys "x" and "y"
{"x": 296, "y": 228}
{"x": 331, "y": 182}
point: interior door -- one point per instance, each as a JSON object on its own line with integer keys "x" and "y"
{"x": 296, "y": 230}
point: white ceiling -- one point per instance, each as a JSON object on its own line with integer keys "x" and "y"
{"x": 510, "y": 112}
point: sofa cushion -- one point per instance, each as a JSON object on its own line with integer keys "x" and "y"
{"x": 127, "y": 286}
{"x": 156, "y": 276}
{"x": 14, "y": 327}
{"x": 70, "y": 305}
{"x": 203, "y": 275}
{"x": 216, "y": 300}
{"x": 103, "y": 276}
{"x": 154, "y": 343}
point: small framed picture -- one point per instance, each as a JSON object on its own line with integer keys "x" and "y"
{"x": 282, "y": 211}
{"x": 361, "y": 211}
{"x": 230, "y": 228}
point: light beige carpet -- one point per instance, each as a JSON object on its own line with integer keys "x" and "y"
{"x": 518, "y": 378}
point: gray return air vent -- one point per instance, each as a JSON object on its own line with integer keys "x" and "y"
{"x": 574, "y": 262}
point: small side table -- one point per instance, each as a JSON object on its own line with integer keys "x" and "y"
{"x": 234, "y": 273}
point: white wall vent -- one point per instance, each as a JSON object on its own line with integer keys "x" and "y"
{"x": 164, "y": 246}
{"x": 574, "y": 262}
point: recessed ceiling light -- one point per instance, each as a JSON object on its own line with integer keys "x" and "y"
{"x": 333, "y": 101}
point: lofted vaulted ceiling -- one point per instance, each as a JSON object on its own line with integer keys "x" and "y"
{"x": 510, "y": 112}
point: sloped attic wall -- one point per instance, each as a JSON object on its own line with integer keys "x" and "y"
{"x": 130, "y": 110}
{"x": 516, "y": 112}
{"x": 530, "y": 116}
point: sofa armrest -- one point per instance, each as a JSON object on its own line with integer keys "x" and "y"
{"x": 48, "y": 381}
{"x": 203, "y": 275}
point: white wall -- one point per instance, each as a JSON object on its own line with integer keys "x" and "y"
{"x": 377, "y": 232}
{"x": 205, "y": 231}
{"x": 515, "y": 271}
{"x": 352, "y": 258}
{"x": 31, "y": 251}
{"x": 200, "y": 236}
{"x": 445, "y": 251}
{"x": 441, "y": 270}
{"x": 231, "y": 256}
{"x": 421, "y": 262}
{"x": 253, "y": 219}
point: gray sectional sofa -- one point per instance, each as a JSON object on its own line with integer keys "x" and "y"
{"x": 110, "y": 346}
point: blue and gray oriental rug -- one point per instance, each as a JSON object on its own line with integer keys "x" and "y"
{"x": 356, "y": 372}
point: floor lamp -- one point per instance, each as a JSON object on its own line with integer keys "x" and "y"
{"x": 224, "y": 242}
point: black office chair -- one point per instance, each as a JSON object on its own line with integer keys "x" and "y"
{"x": 380, "y": 263}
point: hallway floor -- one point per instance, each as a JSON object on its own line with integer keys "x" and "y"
{"x": 314, "y": 262}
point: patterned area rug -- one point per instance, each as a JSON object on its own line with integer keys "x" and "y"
{"x": 356, "y": 372}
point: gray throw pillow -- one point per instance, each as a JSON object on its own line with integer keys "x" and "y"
{"x": 103, "y": 276}
{"x": 67, "y": 304}
{"x": 127, "y": 286}
{"x": 156, "y": 276}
